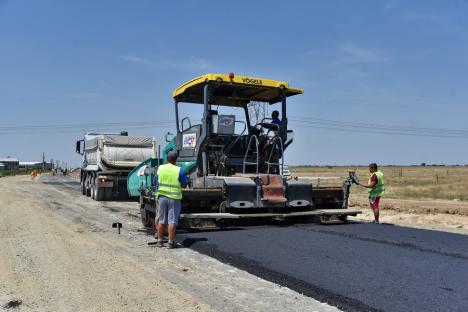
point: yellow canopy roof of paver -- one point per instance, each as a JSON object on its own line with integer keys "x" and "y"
{"x": 235, "y": 91}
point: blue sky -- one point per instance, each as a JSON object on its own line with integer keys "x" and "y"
{"x": 391, "y": 62}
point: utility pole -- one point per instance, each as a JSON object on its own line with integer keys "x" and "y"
{"x": 43, "y": 161}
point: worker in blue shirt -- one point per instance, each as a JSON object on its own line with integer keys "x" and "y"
{"x": 275, "y": 118}
{"x": 275, "y": 123}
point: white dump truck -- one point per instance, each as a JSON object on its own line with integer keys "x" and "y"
{"x": 107, "y": 160}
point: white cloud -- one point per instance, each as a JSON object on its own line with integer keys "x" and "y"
{"x": 424, "y": 17}
{"x": 442, "y": 23}
{"x": 390, "y": 5}
{"x": 132, "y": 58}
{"x": 84, "y": 95}
{"x": 192, "y": 63}
{"x": 352, "y": 53}
{"x": 198, "y": 63}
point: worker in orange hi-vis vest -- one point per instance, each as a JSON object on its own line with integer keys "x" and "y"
{"x": 33, "y": 174}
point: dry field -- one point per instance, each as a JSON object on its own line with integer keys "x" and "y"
{"x": 427, "y": 197}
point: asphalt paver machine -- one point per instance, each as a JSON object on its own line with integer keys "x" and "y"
{"x": 234, "y": 157}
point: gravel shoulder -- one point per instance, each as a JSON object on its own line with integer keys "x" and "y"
{"x": 54, "y": 264}
{"x": 58, "y": 252}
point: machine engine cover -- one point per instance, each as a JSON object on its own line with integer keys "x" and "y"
{"x": 240, "y": 192}
{"x": 299, "y": 193}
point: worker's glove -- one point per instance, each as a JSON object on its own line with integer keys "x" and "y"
{"x": 353, "y": 177}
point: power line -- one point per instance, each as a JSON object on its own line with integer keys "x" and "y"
{"x": 299, "y": 121}
{"x": 372, "y": 125}
{"x": 84, "y": 125}
{"x": 79, "y": 128}
{"x": 343, "y": 129}
{"x": 377, "y": 128}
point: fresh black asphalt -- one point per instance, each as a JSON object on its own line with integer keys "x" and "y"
{"x": 355, "y": 266}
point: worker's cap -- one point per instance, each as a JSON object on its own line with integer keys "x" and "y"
{"x": 172, "y": 155}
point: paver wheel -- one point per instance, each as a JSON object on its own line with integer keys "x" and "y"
{"x": 147, "y": 218}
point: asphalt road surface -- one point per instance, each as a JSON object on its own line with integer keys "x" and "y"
{"x": 356, "y": 266}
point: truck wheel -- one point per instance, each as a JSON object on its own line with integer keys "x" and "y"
{"x": 83, "y": 187}
{"x": 93, "y": 189}
{"x": 100, "y": 193}
{"x": 88, "y": 186}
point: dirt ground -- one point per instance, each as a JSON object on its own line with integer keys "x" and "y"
{"x": 58, "y": 252}
{"x": 52, "y": 264}
{"x": 440, "y": 215}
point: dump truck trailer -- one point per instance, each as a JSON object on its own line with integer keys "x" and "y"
{"x": 107, "y": 160}
{"x": 234, "y": 157}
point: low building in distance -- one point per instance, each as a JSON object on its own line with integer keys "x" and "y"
{"x": 35, "y": 165}
{"x": 9, "y": 163}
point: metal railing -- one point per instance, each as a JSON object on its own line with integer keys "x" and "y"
{"x": 254, "y": 139}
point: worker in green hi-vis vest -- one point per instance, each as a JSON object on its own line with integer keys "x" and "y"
{"x": 376, "y": 190}
{"x": 169, "y": 181}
